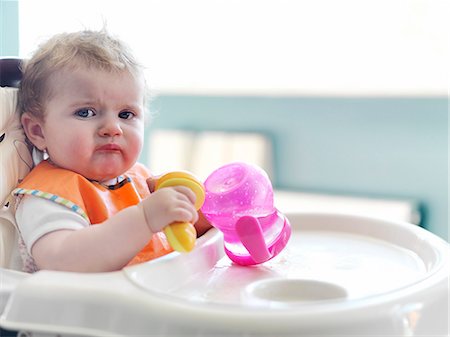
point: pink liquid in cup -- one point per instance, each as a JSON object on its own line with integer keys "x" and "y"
{"x": 239, "y": 202}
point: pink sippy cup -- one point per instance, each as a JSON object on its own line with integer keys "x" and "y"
{"x": 239, "y": 202}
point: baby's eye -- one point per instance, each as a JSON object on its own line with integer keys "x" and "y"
{"x": 85, "y": 113}
{"x": 126, "y": 114}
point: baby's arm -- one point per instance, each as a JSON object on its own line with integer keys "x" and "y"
{"x": 112, "y": 244}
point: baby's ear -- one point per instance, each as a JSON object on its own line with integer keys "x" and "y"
{"x": 33, "y": 129}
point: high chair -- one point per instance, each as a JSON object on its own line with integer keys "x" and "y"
{"x": 15, "y": 159}
{"x": 339, "y": 275}
{"x": 10, "y": 73}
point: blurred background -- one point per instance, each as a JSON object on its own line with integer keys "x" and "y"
{"x": 344, "y": 103}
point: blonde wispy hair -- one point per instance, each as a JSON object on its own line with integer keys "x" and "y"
{"x": 87, "y": 48}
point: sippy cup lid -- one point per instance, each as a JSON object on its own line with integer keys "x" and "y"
{"x": 238, "y": 189}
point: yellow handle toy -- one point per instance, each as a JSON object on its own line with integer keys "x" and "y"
{"x": 182, "y": 235}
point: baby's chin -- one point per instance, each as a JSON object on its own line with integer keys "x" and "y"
{"x": 106, "y": 171}
{"x": 97, "y": 171}
{"x": 103, "y": 177}
{"x": 107, "y": 179}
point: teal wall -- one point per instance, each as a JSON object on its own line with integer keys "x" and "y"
{"x": 9, "y": 28}
{"x": 381, "y": 147}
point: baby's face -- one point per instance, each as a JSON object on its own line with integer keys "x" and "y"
{"x": 94, "y": 122}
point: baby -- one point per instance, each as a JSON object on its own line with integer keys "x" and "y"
{"x": 87, "y": 205}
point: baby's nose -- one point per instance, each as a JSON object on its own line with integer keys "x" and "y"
{"x": 110, "y": 128}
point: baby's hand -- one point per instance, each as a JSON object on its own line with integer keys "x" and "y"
{"x": 151, "y": 183}
{"x": 168, "y": 205}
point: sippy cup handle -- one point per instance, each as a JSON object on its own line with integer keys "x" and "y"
{"x": 182, "y": 235}
{"x": 250, "y": 233}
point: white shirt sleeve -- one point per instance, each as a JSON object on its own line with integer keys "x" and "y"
{"x": 36, "y": 217}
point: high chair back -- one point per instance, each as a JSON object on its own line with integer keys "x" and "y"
{"x": 10, "y": 73}
{"x": 15, "y": 160}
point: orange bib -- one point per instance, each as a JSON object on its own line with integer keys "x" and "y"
{"x": 93, "y": 201}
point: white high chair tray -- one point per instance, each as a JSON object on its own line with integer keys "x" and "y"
{"x": 339, "y": 274}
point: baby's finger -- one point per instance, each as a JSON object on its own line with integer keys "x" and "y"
{"x": 183, "y": 212}
{"x": 151, "y": 183}
{"x": 186, "y": 191}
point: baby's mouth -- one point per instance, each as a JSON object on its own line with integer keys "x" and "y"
{"x": 109, "y": 148}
